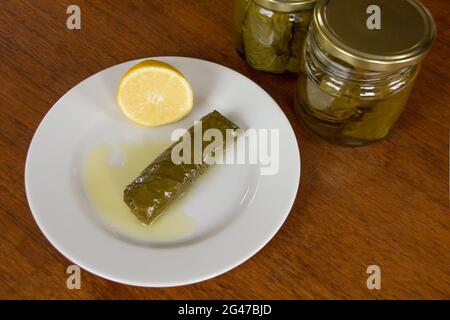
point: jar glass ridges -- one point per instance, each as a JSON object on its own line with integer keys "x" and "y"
{"x": 269, "y": 34}
{"x": 348, "y": 98}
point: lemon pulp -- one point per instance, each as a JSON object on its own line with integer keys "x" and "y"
{"x": 154, "y": 93}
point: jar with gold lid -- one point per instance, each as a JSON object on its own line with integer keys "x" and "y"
{"x": 269, "y": 34}
{"x": 360, "y": 60}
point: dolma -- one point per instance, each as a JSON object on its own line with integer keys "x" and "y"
{"x": 163, "y": 181}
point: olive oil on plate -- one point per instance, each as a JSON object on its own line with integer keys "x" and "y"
{"x": 108, "y": 170}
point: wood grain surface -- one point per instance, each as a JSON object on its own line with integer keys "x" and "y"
{"x": 385, "y": 204}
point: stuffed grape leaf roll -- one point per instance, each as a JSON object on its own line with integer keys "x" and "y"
{"x": 164, "y": 181}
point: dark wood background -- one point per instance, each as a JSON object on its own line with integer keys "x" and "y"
{"x": 386, "y": 204}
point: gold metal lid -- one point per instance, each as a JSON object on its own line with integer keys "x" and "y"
{"x": 287, "y": 5}
{"x": 406, "y": 33}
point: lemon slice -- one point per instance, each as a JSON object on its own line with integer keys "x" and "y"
{"x": 153, "y": 93}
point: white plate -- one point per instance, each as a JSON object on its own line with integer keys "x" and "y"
{"x": 236, "y": 211}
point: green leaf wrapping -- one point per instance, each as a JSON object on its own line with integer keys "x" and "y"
{"x": 163, "y": 181}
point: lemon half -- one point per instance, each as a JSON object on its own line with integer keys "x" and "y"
{"x": 154, "y": 93}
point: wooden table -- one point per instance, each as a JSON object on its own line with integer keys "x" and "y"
{"x": 386, "y": 204}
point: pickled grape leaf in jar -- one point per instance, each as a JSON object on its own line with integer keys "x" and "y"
{"x": 266, "y": 38}
{"x": 329, "y": 105}
{"x": 376, "y": 121}
{"x": 346, "y": 111}
{"x": 302, "y": 22}
{"x": 270, "y": 41}
{"x": 241, "y": 9}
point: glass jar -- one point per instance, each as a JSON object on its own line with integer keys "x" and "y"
{"x": 269, "y": 34}
{"x": 357, "y": 80}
